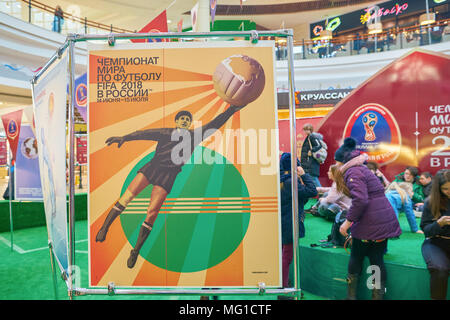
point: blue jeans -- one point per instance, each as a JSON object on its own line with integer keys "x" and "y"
{"x": 329, "y": 210}
{"x": 57, "y": 24}
{"x": 436, "y": 253}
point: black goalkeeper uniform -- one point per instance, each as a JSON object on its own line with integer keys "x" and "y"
{"x": 175, "y": 147}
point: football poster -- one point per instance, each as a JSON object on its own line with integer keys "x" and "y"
{"x": 27, "y": 178}
{"x": 183, "y": 165}
{"x": 49, "y": 103}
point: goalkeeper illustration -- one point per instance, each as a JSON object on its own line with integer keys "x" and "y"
{"x": 174, "y": 148}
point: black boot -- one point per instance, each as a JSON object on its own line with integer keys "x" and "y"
{"x": 112, "y": 215}
{"x": 378, "y": 294}
{"x": 352, "y": 286}
{"x": 143, "y": 235}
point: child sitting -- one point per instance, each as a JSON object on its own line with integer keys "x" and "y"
{"x": 332, "y": 202}
{"x": 399, "y": 195}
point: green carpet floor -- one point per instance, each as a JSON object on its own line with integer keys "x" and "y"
{"x": 26, "y": 274}
{"x": 323, "y": 270}
{"x": 406, "y": 250}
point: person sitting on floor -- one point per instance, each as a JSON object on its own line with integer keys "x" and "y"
{"x": 411, "y": 175}
{"x": 425, "y": 181}
{"x": 399, "y": 195}
{"x": 332, "y": 202}
{"x": 373, "y": 166}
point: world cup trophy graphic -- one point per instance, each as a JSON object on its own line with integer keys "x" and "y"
{"x": 369, "y": 122}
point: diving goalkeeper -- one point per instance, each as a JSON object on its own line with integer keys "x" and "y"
{"x": 162, "y": 170}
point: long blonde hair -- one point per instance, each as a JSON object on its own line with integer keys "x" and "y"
{"x": 404, "y": 189}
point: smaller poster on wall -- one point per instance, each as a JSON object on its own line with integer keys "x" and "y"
{"x": 81, "y": 95}
{"x": 27, "y": 178}
{"x": 3, "y": 152}
{"x": 81, "y": 150}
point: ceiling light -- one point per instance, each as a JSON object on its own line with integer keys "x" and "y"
{"x": 427, "y": 18}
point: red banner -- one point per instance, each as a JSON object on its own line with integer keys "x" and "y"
{"x": 399, "y": 117}
{"x": 11, "y": 123}
{"x": 157, "y": 25}
{"x": 82, "y": 150}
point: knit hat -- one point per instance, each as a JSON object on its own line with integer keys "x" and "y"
{"x": 285, "y": 162}
{"x": 344, "y": 151}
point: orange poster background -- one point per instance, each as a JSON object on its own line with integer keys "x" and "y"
{"x": 185, "y": 84}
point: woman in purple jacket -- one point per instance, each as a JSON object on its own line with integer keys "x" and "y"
{"x": 371, "y": 219}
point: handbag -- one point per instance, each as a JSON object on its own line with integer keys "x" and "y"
{"x": 321, "y": 154}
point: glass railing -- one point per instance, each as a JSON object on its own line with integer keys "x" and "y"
{"x": 404, "y": 38}
{"x": 42, "y": 15}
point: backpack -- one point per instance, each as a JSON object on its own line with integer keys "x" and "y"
{"x": 336, "y": 237}
{"x": 321, "y": 154}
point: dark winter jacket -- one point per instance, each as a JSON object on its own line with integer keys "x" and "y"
{"x": 309, "y": 164}
{"x": 371, "y": 213}
{"x": 305, "y": 191}
{"x": 430, "y": 226}
{"x": 426, "y": 190}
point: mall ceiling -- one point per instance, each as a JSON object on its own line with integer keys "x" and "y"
{"x": 267, "y": 14}
{"x": 133, "y": 15}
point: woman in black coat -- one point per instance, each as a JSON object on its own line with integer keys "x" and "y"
{"x": 310, "y": 145}
{"x": 435, "y": 224}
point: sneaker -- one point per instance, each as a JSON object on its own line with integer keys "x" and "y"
{"x": 132, "y": 259}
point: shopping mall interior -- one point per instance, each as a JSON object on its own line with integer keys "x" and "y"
{"x": 337, "y": 59}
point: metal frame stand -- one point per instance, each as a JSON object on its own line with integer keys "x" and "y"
{"x": 111, "y": 39}
{"x": 11, "y": 228}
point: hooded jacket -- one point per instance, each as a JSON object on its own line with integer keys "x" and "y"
{"x": 305, "y": 191}
{"x": 309, "y": 164}
{"x": 406, "y": 206}
{"x": 371, "y": 213}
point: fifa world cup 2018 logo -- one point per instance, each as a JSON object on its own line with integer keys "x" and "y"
{"x": 369, "y": 121}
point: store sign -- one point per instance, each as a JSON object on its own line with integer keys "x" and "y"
{"x": 371, "y": 14}
{"x": 385, "y": 10}
{"x": 331, "y": 26}
{"x": 310, "y": 98}
{"x": 321, "y": 96}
